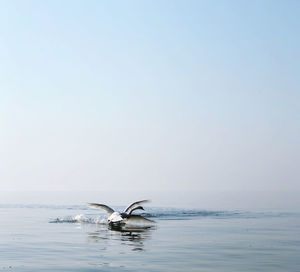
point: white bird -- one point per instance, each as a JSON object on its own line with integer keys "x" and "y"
{"x": 117, "y": 218}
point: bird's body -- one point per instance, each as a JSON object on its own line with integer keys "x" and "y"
{"x": 117, "y": 218}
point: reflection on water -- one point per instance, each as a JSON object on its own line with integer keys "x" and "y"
{"x": 132, "y": 236}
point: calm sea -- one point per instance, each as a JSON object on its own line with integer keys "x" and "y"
{"x": 76, "y": 238}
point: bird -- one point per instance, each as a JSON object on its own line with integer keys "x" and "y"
{"x": 118, "y": 218}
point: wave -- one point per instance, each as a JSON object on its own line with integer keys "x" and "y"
{"x": 178, "y": 214}
{"x": 80, "y": 218}
{"x": 89, "y": 215}
{"x": 190, "y": 214}
{"x": 157, "y": 215}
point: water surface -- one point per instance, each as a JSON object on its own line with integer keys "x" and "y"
{"x": 77, "y": 238}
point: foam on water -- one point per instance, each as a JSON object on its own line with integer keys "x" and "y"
{"x": 80, "y": 218}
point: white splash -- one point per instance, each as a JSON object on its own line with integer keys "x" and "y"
{"x": 80, "y": 218}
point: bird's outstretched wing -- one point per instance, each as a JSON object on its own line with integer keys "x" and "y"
{"x": 135, "y": 205}
{"x": 109, "y": 210}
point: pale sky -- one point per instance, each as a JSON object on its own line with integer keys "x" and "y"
{"x": 151, "y": 95}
